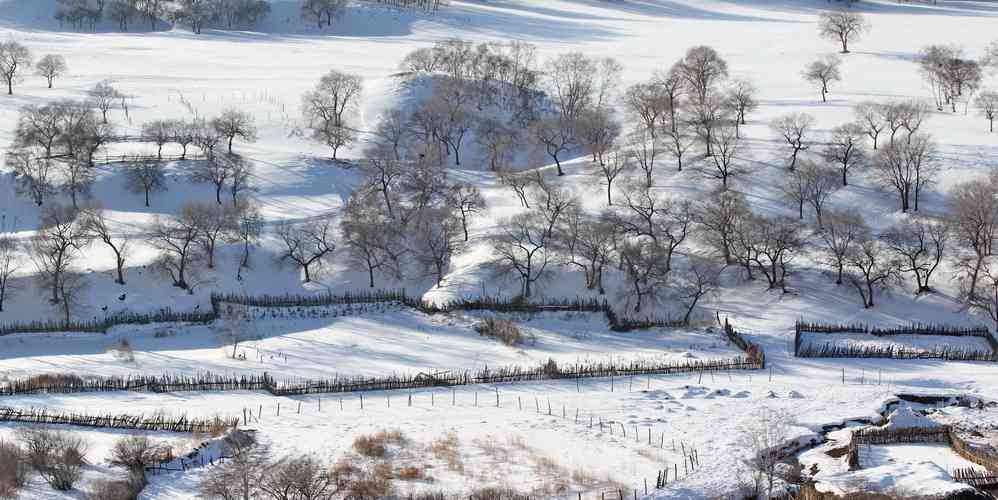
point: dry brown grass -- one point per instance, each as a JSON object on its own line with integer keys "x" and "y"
{"x": 446, "y": 449}
{"x": 414, "y": 473}
{"x": 376, "y": 445}
{"x": 503, "y": 330}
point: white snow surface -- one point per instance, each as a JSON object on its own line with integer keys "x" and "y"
{"x": 173, "y": 74}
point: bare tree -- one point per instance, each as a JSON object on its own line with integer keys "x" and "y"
{"x": 519, "y": 183}
{"x": 215, "y": 170}
{"x": 973, "y": 212}
{"x": 649, "y": 103}
{"x": 845, "y": 150}
{"x": 822, "y": 73}
{"x": 588, "y": 243}
{"x": 176, "y": 238}
{"x": 762, "y": 438}
{"x": 103, "y": 96}
{"x": 667, "y": 222}
{"x": 216, "y": 223}
{"x": 615, "y": 162}
{"x": 242, "y": 474}
{"x": 467, "y": 201}
{"x": 842, "y": 26}
{"x": 571, "y": 83}
{"x": 673, "y": 89}
{"x": 725, "y": 145}
{"x": 870, "y": 267}
{"x": 718, "y": 214}
{"x": 700, "y": 280}
{"x": 822, "y": 182}
{"x": 56, "y": 246}
{"x": 679, "y": 140}
{"x": 78, "y": 177}
{"x": 158, "y": 132}
{"x": 184, "y": 134}
{"x": 383, "y": 174}
{"x": 741, "y": 99}
{"x": 40, "y": 127}
{"x": 497, "y": 141}
{"x": 870, "y": 117}
{"x": 391, "y": 131}
{"x": 778, "y": 241}
{"x": 50, "y": 67}
{"x": 205, "y": 138}
{"x": 987, "y": 103}
{"x": 701, "y": 69}
{"x": 135, "y": 453}
{"x": 556, "y": 135}
{"x": 33, "y": 175}
{"x": 247, "y": 231}
{"x": 96, "y": 221}
{"x": 642, "y": 261}
{"x": 10, "y": 254}
{"x": 307, "y": 243}
{"x": 301, "y": 478}
{"x": 907, "y": 167}
{"x": 57, "y": 456}
{"x": 596, "y": 130}
{"x": 327, "y": 107}
{"x": 372, "y": 238}
{"x": 240, "y": 174}
{"x": 14, "y": 60}
{"x": 984, "y": 297}
{"x": 794, "y": 128}
{"x": 145, "y": 176}
{"x": 438, "y": 239}
{"x": 919, "y": 245}
{"x": 522, "y": 249}
{"x": 234, "y": 123}
{"x": 645, "y": 148}
{"x": 838, "y": 234}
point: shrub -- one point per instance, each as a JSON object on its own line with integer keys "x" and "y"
{"x": 106, "y": 489}
{"x": 135, "y": 453}
{"x": 376, "y": 445}
{"x": 413, "y": 473}
{"x": 503, "y": 330}
{"x": 13, "y": 469}
{"x": 123, "y": 351}
{"x": 446, "y": 449}
{"x": 57, "y": 456}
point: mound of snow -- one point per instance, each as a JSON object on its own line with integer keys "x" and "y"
{"x": 925, "y": 477}
{"x": 905, "y": 418}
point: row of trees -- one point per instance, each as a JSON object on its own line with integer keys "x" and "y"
{"x": 192, "y": 13}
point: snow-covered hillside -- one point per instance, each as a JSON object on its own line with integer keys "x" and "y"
{"x": 171, "y": 73}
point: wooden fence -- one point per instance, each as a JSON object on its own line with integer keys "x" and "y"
{"x": 206, "y": 382}
{"x": 976, "y": 478}
{"x": 109, "y": 421}
{"x": 827, "y": 350}
{"x": 102, "y": 325}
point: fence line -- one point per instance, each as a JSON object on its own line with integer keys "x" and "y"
{"x": 121, "y": 421}
{"x": 827, "y": 350}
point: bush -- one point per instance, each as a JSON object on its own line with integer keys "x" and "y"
{"x": 135, "y": 453}
{"x": 13, "y": 469}
{"x": 503, "y": 330}
{"x": 376, "y": 445}
{"x": 106, "y": 489}
{"x": 57, "y": 456}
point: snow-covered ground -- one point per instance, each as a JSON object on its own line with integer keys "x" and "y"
{"x": 391, "y": 339}
{"x": 907, "y": 343}
{"x": 174, "y": 74}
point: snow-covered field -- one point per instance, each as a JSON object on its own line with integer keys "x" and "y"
{"x": 389, "y": 340}
{"x": 907, "y": 343}
{"x": 175, "y": 74}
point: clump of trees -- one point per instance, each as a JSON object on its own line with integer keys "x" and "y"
{"x": 194, "y": 14}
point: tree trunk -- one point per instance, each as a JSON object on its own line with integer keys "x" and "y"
{"x": 308, "y": 277}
